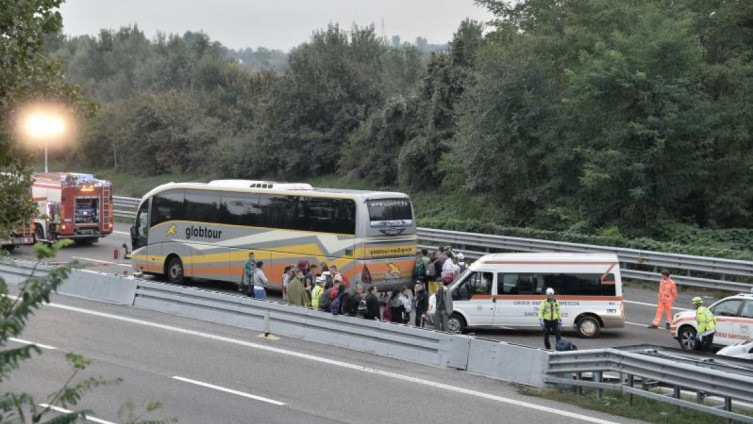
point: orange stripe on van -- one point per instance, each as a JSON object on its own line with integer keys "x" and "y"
{"x": 540, "y": 297}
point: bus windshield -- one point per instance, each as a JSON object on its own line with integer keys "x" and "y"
{"x": 390, "y": 213}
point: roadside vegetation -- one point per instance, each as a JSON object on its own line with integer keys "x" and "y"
{"x": 606, "y": 122}
{"x": 616, "y": 403}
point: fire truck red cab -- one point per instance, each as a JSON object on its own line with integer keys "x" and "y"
{"x": 72, "y": 205}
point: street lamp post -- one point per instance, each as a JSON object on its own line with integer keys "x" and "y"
{"x": 45, "y": 125}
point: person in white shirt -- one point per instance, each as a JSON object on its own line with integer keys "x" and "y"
{"x": 448, "y": 268}
{"x": 407, "y": 302}
{"x": 260, "y": 280}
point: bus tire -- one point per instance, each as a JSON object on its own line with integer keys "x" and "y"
{"x": 456, "y": 323}
{"x": 174, "y": 270}
{"x": 588, "y": 327}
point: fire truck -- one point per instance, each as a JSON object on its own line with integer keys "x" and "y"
{"x": 73, "y": 206}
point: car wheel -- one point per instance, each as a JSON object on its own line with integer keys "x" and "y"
{"x": 686, "y": 337}
{"x": 175, "y": 270}
{"x": 588, "y": 327}
{"x": 456, "y": 323}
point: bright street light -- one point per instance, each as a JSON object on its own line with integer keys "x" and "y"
{"x": 44, "y": 126}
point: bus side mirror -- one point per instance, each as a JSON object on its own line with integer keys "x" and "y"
{"x": 133, "y": 231}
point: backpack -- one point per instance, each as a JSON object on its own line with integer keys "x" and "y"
{"x": 419, "y": 270}
{"x": 362, "y": 308}
{"x": 350, "y": 305}
{"x": 324, "y": 302}
{"x": 564, "y": 345}
{"x": 432, "y": 270}
{"x": 329, "y": 279}
{"x": 334, "y": 306}
{"x": 345, "y": 303}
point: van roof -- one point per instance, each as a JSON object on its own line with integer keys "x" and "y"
{"x": 546, "y": 257}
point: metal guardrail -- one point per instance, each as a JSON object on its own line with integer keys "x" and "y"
{"x": 704, "y": 377}
{"x": 644, "y": 263}
{"x": 125, "y": 207}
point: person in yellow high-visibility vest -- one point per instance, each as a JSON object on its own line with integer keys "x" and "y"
{"x": 550, "y": 318}
{"x": 667, "y": 296}
{"x": 706, "y": 325}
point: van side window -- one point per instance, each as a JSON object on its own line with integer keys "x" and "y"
{"x": 477, "y": 283}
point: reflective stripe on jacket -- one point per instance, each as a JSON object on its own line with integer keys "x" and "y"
{"x": 667, "y": 290}
{"x": 706, "y": 320}
{"x": 549, "y": 311}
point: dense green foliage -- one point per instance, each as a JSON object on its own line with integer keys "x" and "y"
{"x": 574, "y": 116}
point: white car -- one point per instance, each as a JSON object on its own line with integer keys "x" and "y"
{"x": 742, "y": 350}
{"x": 734, "y": 322}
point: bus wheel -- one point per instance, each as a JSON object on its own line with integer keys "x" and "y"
{"x": 588, "y": 327}
{"x": 456, "y": 323}
{"x": 175, "y": 270}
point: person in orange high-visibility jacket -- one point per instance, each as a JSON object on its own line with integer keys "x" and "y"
{"x": 667, "y": 296}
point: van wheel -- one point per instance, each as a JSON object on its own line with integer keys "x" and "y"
{"x": 686, "y": 337}
{"x": 175, "y": 271}
{"x": 588, "y": 327}
{"x": 456, "y": 323}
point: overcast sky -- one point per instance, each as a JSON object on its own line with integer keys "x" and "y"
{"x": 275, "y": 24}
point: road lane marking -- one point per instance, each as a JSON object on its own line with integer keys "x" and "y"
{"x": 125, "y": 233}
{"x": 336, "y": 363}
{"x": 653, "y": 305}
{"x": 39, "y": 345}
{"x": 102, "y": 262}
{"x": 225, "y": 389}
{"x": 65, "y": 411}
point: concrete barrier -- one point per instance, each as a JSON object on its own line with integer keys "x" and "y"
{"x": 506, "y": 361}
{"x": 80, "y": 282}
{"x": 380, "y": 338}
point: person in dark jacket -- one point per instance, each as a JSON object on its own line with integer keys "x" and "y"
{"x": 372, "y": 304}
{"x": 421, "y": 304}
{"x": 397, "y": 308}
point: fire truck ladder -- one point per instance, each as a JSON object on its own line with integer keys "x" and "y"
{"x": 106, "y": 206}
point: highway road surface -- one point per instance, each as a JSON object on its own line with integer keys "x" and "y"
{"x": 210, "y": 373}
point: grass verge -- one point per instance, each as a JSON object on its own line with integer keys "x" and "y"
{"x": 616, "y": 403}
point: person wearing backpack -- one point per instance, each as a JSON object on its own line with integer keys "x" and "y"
{"x": 337, "y": 303}
{"x": 325, "y": 300}
{"x": 419, "y": 268}
{"x": 353, "y": 301}
{"x": 372, "y": 304}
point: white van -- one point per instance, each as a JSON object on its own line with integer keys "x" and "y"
{"x": 504, "y": 290}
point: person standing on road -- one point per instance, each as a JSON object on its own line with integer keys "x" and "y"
{"x": 248, "y": 272}
{"x": 667, "y": 296}
{"x": 706, "y": 325}
{"x": 296, "y": 292}
{"x": 260, "y": 280}
{"x": 372, "y": 304}
{"x": 422, "y": 304}
{"x": 550, "y": 318}
{"x": 443, "y": 307}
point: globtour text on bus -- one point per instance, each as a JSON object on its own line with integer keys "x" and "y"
{"x": 202, "y": 232}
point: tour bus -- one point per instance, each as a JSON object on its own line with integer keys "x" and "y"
{"x": 504, "y": 291}
{"x": 206, "y": 230}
